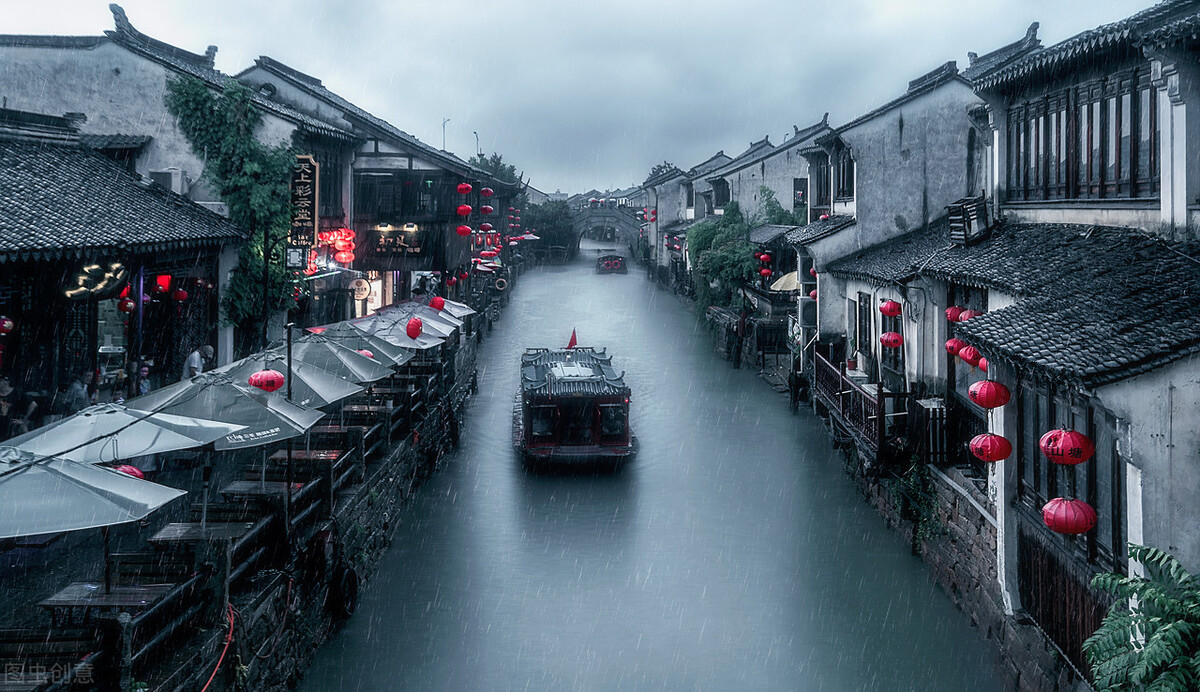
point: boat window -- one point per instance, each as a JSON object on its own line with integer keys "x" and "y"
{"x": 542, "y": 424}
{"x": 612, "y": 420}
{"x": 577, "y": 423}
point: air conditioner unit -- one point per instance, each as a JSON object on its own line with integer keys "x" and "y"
{"x": 216, "y": 207}
{"x": 173, "y": 179}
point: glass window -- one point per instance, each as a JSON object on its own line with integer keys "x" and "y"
{"x": 612, "y": 420}
{"x": 542, "y": 421}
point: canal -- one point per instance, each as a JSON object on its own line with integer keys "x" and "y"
{"x": 732, "y": 554}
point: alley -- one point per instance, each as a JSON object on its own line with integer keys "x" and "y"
{"x": 732, "y": 554}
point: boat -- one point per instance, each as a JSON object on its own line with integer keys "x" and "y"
{"x": 572, "y": 409}
{"x": 611, "y": 264}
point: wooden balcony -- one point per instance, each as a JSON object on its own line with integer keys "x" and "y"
{"x": 863, "y": 410}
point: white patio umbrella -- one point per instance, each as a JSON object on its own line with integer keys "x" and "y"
{"x": 351, "y": 336}
{"x": 394, "y": 332}
{"x": 311, "y": 386}
{"x": 457, "y": 309}
{"x": 52, "y": 495}
{"x": 107, "y": 432}
{"x": 321, "y": 352}
{"x": 787, "y": 282}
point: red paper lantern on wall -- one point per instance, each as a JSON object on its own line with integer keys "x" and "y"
{"x": 267, "y": 380}
{"x": 464, "y": 188}
{"x": 179, "y": 295}
{"x": 953, "y": 312}
{"x": 365, "y": 352}
{"x": 124, "y": 305}
{"x": 464, "y": 210}
{"x": 891, "y": 339}
{"x": 970, "y": 355}
{"x": 764, "y": 271}
{"x": 413, "y": 328}
{"x": 437, "y": 303}
{"x": 890, "y": 308}
{"x": 813, "y": 294}
{"x": 989, "y": 394}
{"x": 129, "y": 471}
{"x": 953, "y": 346}
{"x": 813, "y": 271}
{"x": 983, "y": 364}
{"x": 463, "y": 230}
{"x": 343, "y": 257}
{"x": 486, "y": 192}
{"x": 1067, "y": 447}
{"x": 990, "y": 447}
{"x": 1071, "y": 517}
{"x": 486, "y": 209}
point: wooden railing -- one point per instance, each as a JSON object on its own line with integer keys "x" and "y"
{"x": 863, "y": 410}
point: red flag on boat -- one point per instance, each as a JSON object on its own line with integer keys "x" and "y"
{"x": 573, "y": 341}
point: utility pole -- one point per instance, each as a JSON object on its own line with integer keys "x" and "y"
{"x": 444, "y": 121}
{"x": 477, "y": 150}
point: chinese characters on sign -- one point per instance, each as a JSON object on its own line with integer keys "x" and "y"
{"x": 305, "y": 183}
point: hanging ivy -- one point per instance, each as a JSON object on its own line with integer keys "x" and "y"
{"x": 252, "y": 179}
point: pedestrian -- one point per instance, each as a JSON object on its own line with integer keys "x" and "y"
{"x": 143, "y": 383}
{"x": 76, "y": 397}
{"x": 194, "y": 365}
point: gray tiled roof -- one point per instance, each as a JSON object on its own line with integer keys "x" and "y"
{"x": 766, "y": 233}
{"x": 581, "y": 371}
{"x": 114, "y": 141}
{"x": 895, "y": 260}
{"x": 983, "y": 65}
{"x": 819, "y": 229}
{"x": 62, "y": 200}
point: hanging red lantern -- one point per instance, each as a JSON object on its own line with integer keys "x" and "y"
{"x": 437, "y": 303}
{"x": 450, "y": 280}
{"x": 464, "y": 210}
{"x": 124, "y": 305}
{"x": 413, "y": 328}
{"x": 129, "y": 471}
{"x": 813, "y": 271}
{"x": 824, "y": 216}
{"x": 1067, "y": 447}
{"x": 953, "y": 346}
{"x": 7, "y": 325}
{"x": 766, "y": 257}
{"x": 891, "y": 339}
{"x": 677, "y": 248}
{"x": 983, "y": 364}
{"x": 179, "y": 295}
{"x": 464, "y": 188}
{"x": 124, "y": 292}
{"x": 310, "y": 270}
{"x": 267, "y": 380}
{"x": 517, "y": 211}
{"x": 486, "y": 192}
{"x": 345, "y": 233}
{"x": 344, "y": 257}
{"x": 989, "y": 394}
{"x": 366, "y": 352}
{"x": 510, "y": 209}
{"x": 463, "y": 276}
{"x": 890, "y": 308}
{"x": 990, "y": 447}
{"x": 764, "y": 271}
{"x": 344, "y": 245}
{"x": 488, "y": 254}
{"x": 970, "y": 355}
{"x": 1071, "y": 517}
{"x": 813, "y": 294}
{"x": 486, "y": 227}
{"x": 953, "y": 312}
{"x": 463, "y": 230}
{"x": 486, "y": 209}
{"x": 162, "y": 283}
{"x": 968, "y": 314}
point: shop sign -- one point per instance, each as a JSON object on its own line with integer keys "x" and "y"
{"x": 361, "y": 288}
{"x": 96, "y": 281}
{"x": 305, "y": 184}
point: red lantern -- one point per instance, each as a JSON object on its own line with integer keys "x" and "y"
{"x": 983, "y": 364}
{"x": 813, "y": 294}
{"x": 464, "y": 210}
{"x": 890, "y": 308}
{"x": 1067, "y": 447}
{"x": 990, "y": 447}
{"x": 677, "y": 248}
{"x": 464, "y": 275}
{"x": 953, "y": 312}
{"x": 989, "y": 394}
{"x": 764, "y": 271}
{"x": 450, "y": 280}
{"x": 162, "y": 283}
{"x": 179, "y": 295}
{"x": 824, "y": 216}
{"x": 124, "y": 305}
{"x": 130, "y": 471}
{"x": 1071, "y": 517}
{"x": 345, "y": 257}
{"x": 766, "y": 257}
{"x": 486, "y": 192}
{"x": 267, "y": 380}
{"x": 486, "y": 209}
{"x": 343, "y": 245}
{"x": 463, "y": 230}
{"x": 970, "y": 355}
{"x": 486, "y": 227}
{"x": 464, "y": 189}
{"x": 968, "y": 314}
{"x": 511, "y": 209}
{"x": 437, "y": 303}
{"x": 345, "y": 233}
{"x": 813, "y": 271}
{"x": 891, "y": 339}
{"x": 366, "y": 352}
{"x": 953, "y": 346}
{"x": 7, "y": 325}
{"x": 413, "y": 329}
{"x": 488, "y": 254}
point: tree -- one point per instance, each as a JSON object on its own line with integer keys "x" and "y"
{"x": 1150, "y": 638}
{"x": 723, "y": 257}
{"x": 660, "y": 168}
{"x": 494, "y": 164}
{"x": 771, "y": 211}
{"x": 550, "y": 221}
{"x": 253, "y": 180}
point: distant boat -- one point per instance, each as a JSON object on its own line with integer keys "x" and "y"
{"x": 572, "y": 408}
{"x": 611, "y": 264}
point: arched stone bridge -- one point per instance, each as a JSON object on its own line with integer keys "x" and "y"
{"x": 620, "y": 221}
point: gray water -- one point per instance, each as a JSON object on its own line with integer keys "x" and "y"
{"x": 731, "y": 554}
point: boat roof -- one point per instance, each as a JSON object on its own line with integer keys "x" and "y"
{"x": 581, "y": 371}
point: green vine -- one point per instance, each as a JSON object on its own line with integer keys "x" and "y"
{"x": 913, "y": 492}
{"x": 252, "y": 179}
{"x": 724, "y": 259}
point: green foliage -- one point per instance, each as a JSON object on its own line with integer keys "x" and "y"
{"x": 722, "y": 258}
{"x": 660, "y": 168}
{"x": 252, "y": 179}
{"x": 771, "y": 211}
{"x": 550, "y": 221}
{"x": 913, "y": 493}
{"x": 494, "y": 164}
{"x": 1150, "y": 638}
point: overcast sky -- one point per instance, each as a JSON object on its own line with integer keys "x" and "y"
{"x": 592, "y": 95}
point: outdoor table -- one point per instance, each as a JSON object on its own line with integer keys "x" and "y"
{"x": 193, "y": 531}
{"x": 259, "y": 489}
{"x": 74, "y": 604}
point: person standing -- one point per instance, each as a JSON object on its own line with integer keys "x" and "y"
{"x": 10, "y": 401}
{"x": 194, "y": 365}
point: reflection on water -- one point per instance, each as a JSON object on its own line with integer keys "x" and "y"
{"x": 730, "y": 554}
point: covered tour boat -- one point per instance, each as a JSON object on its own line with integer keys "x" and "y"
{"x": 611, "y": 264}
{"x": 572, "y": 407}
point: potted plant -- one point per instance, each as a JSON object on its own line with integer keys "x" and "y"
{"x": 851, "y": 354}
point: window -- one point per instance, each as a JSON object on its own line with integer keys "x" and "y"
{"x": 542, "y": 421}
{"x": 863, "y": 333}
{"x": 1094, "y": 140}
{"x": 691, "y": 196}
{"x": 799, "y": 194}
{"x": 720, "y": 192}
{"x": 612, "y": 420}
{"x": 329, "y": 196}
{"x": 893, "y": 358}
{"x": 845, "y": 174}
{"x": 820, "y": 176}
